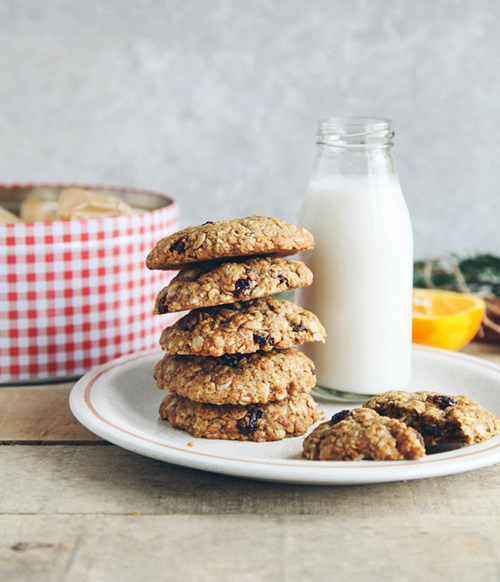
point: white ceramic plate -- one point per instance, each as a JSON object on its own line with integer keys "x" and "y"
{"x": 119, "y": 402}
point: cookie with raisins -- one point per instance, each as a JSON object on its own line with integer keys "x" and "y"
{"x": 362, "y": 434}
{"x": 242, "y": 328}
{"x": 273, "y": 421}
{"x": 241, "y": 237}
{"x": 439, "y": 418}
{"x": 209, "y": 284}
{"x": 237, "y": 378}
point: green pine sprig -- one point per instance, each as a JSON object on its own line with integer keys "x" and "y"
{"x": 480, "y": 273}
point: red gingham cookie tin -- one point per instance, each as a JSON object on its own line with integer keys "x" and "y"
{"x": 76, "y": 294}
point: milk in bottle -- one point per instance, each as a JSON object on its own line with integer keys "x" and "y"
{"x": 362, "y": 261}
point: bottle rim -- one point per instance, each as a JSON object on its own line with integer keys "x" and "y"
{"x": 355, "y": 131}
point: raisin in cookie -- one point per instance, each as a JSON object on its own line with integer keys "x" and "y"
{"x": 209, "y": 284}
{"x": 264, "y": 422}
{"x": 440, "y": 419}
{"x": 237, "y": 379}
{"x": 254, "y": 235}
{"x": 242, "y": 328}
{"x": 354, "y": 435}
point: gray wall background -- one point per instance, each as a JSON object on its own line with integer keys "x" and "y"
{"x": 216, "y": 101}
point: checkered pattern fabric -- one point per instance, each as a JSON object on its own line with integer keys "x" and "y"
{"x": 76, "y": 294}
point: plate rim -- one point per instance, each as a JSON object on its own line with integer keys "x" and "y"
{"x": 321, "y": 472}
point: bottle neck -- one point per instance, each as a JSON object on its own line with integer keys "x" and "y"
{"x": 348, "y": 162}
{"x": 354, "y": 146}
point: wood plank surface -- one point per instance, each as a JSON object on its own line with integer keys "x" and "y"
{"x": 248, "y": 548}
{"x": 102, "y": 514}
{"x": 109, "y": 480}
{"x": 40, "y": 414}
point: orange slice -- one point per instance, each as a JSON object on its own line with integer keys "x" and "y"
{"x": 445, "y": 319}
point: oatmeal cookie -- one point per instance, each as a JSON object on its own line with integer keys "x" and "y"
{"x": 362, "y": 434}
{"x": 237, "y": 379}
{"x": 263, "y": 422}
{"x": 242, "y": 328}
{"x": 254, "y": 235}
{"x": 440, "y": 419}
{"x": 209, "y": 284}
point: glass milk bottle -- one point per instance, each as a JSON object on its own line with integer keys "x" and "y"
{"x": 362, "y": 262}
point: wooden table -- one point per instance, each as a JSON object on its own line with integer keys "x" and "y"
{"x": 76, "y": 508}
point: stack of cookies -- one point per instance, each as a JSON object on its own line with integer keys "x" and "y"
{"x": 230, "y": 365}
